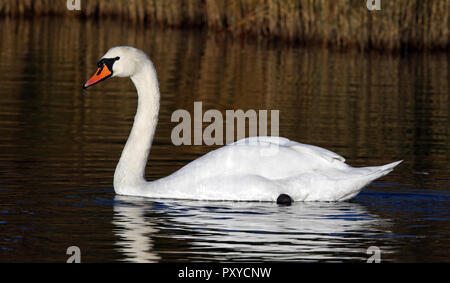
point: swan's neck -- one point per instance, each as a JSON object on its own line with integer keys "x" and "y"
{"x": 130, "y": 171}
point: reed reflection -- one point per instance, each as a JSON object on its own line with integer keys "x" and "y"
{"x": 365, "y": 107}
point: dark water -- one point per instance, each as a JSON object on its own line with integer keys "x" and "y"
{"x": 59, "y": 148}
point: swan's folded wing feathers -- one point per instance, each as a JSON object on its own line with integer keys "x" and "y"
{"x": 322, "y": 152}
{"x": 265, "y": 140}
{"x": 299, "y": 147}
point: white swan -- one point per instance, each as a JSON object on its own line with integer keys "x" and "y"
{"x": 253, "y": 169}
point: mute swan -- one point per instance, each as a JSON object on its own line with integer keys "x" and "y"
{"x": 252, "y": 169}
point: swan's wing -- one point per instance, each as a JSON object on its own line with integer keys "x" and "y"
{"x": 268, "y": 157}
{"x": 299, "y": 147}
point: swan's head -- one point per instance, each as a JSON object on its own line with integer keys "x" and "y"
{"x": 121, "y": 61}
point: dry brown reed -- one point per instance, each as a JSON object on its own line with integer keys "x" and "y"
{"x": 401, "y": 24}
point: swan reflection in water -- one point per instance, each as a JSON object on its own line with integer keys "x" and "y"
{"x": 135, "y": 232}
{"x": 245, "y": 231}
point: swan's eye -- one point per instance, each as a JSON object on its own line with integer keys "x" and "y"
{"x": 108, "y": 62}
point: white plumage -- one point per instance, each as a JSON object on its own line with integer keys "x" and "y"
{"x": 252, "y": 169}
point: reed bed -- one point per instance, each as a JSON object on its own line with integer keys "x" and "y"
{"x": 401, "y": 24}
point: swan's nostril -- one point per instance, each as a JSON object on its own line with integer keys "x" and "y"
{"x": 100, "y": 69}
{"x": 284, "y": 199}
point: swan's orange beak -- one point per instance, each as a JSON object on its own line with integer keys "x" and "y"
{"x": 102, "y": 74}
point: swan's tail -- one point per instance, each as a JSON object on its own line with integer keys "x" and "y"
{"x": 380, "y": 171}
{"x": 365, "y": 176}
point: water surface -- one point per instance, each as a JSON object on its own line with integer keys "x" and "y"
{"x": 59, "y": 148}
